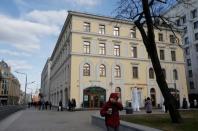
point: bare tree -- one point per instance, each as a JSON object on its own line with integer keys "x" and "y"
{"x": 149, "y": 14}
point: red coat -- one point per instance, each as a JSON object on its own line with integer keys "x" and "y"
{"x": 112, "y": 120}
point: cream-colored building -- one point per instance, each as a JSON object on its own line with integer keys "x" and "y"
{"x": 96, "y": 55}
{"x": 9, "y": 86}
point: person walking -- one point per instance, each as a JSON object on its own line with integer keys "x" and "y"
{"x": 60, "y": 106}
{"x": 110, "y": 111}
{"x": 148, "y": 105}
{"x": 69, "y": 105}
{"x": 73, "y": 104}
{"x": 50, "y": 105}
{"x": 46, "y": 105}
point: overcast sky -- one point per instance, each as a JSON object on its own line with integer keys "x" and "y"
{"x": 29, "y": 30}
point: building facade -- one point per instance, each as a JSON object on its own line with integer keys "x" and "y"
{"x": 186, "y": 17}
{"x": 9, "y": 86}
{"x": 45, "y": 81}
{"x": 96, "y": 55}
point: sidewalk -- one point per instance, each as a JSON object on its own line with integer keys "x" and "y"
{"x": 34, "y": 120}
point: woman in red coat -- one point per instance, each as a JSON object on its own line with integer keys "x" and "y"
{"x": 110, "y": 111}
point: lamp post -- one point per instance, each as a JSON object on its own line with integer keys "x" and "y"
{"x": 25, "y": 82}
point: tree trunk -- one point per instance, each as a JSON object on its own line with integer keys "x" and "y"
{"x": 149, "y": 42}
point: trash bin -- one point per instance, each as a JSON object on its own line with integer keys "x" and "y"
{"x": 129, "y": 109}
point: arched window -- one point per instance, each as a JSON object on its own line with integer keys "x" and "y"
{"x": 102, "y": 70}
{"x": 117, "y": 72}
{"x": 175, "y": 75}
{"x": 164, "y": 72}
{"x": 151, "y": 73}
{"x": 153, "y": 96}
{"x": 86, "y": 70}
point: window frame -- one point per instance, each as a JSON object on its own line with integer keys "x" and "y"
{"x": 117, "y": 71}
{"x": 173, "y": 55}
{"x": 151, "y": 73}
{"x": 160, "y": 37}
{"x": 86, "y": 69}
{"x": 101, "y": 29}
{"x": 102, "y": 48}
{"x": 134, "y": 51}
{"x": 87, "y": 27}
{"x": 133, "y": 32}
{"x": 116, "y": 31}
{"x": 162, "y": 54}
{"x": 102, "y": 70}
{"x": 135, "y": 72}
{"x": 86, "y": 47}
{"x": 116, "y": 50}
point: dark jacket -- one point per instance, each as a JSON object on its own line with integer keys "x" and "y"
{"x": 113, "y": 119}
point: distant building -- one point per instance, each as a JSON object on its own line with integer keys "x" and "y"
{"x": 45, "y": 81}
{"x": 97, "y": 55}
{"x": 9, "y": 86}
{"x": 186, "y": 17}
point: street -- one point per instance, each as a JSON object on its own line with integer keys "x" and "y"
{"x": 34, "y": 120}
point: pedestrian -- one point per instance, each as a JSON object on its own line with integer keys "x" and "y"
{"x": 73, "y": 104}
{"x": 60, "y": 107}
{"x": 46, "y": 105}
{"x": 195, "y": 103}
{"x": 110, "y": 111}
{"x": 185, "y": 103}
{"x": 50, "y": 105}
{"x": 69, "y": 105}
{"x": 148, "y": 105}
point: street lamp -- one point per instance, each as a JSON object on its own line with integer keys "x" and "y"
{"x": 26, "y": 83}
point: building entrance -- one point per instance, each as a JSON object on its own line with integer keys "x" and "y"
{"x": 94, "y": 97}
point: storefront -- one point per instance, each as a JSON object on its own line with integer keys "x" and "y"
{"x": 94, "y": 97}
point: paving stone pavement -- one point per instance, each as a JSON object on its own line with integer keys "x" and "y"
{"x": 34, "y": 120}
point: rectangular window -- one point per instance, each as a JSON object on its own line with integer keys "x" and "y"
{"x": 189, "y": 62}
{"x": 196, "y": 25}
{"x": 187, "y": 51}
{"x": 102, "y": 50}
{"x": 135, "y": 72}
{"x": 133, "y": 33}
{"x": 117, "y": 50}
{"x": 162, "y": 57}
{"x": 102, "y": 29}
{"x": 86, "y": 27}
{"x": 184, "y": 19}
{"x": 173, "y": 55}
{"x": 192, "y": 85}
{"x": 186, "y": 41}
{"x": 116, "y": 31}
{"x": 86, "y": 47}
{"x": 185, "y": 30}
{"x": 160, "y": 37}
{"x": 178, "y": 22}
{"x": 196, "y": 36}
{"x": 196, "y": 46}
{"x": 190, "y": 74}
{"x": 172, "y": 39}
{"x": 134, "y": 51}
{"x": 194, "y": 13}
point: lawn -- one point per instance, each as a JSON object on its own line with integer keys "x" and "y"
{"x": 163, "y": 122}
